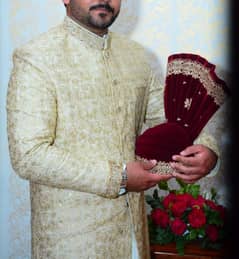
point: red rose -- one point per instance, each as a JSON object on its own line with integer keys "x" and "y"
{"x": 211, "y": 204}
{"x": 212, "y": 232}
{"x": 160, "y": 218}
{"x": 198, "y": 202}
{"x": 216, "y": 207}
{"x": 185, "y": 197}
{"x": 221, "y": 211}
{"x": 178, "y": 208}
{"x": 169, "y": 200}
{"x": 197, "y": 218}
{"x": 178, "y": 226}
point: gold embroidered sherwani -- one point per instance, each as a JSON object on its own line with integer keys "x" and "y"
{"x": 76, "y": 102}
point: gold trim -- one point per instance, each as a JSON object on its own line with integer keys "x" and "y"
{"x": 160, "y": 168}
{"x": 198, "y": 71}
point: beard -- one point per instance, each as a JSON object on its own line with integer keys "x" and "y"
{"x": 100, "y": 21}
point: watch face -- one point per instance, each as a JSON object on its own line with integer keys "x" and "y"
{"x": 122, "y": 191}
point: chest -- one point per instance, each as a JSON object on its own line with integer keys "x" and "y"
{"x": 100, "y": 82}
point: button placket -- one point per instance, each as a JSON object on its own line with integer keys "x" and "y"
{"x": 106, "y": 54}
{"x": 113, "y": 82}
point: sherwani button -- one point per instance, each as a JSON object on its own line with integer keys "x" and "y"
{"x": 115, "y": 82}
{"x": 106, "y": 54}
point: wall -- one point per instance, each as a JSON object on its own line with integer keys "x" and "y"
{"x": 163, "y": 27}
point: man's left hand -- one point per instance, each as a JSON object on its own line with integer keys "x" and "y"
{"x": 193, "y": 163}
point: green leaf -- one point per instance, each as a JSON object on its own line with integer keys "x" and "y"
{"x": 180, "y": 244}
{"x": 162, "y": 236}
{"x": 192, "y": 234}
{"x": 155, "y": 204}
{"x": 193, "y": 189}
{"x": 163, "y": 185}
{"x": 222, "y": 233}
{"x": 213, "y": 194}
{"x": 201, "y": 232}
{"x": 213, "y": 217}
{"x": 154, "y": 201}
{"x": 148, "y": 198}
{"x": 156, "y": 194}
{"x": 181, "y": 183}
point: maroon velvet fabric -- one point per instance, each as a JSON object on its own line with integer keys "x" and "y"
{"x": 188, "y": 108}
{"x": 202, "y": 105}
{"x": 181, "y": 86}
{"x": 162, "y": 141}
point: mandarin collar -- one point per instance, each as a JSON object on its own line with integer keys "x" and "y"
{"x": 89, "y": 38}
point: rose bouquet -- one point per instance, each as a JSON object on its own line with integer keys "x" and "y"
{"x": 183, "y": 215}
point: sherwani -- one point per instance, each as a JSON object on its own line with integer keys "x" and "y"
{"x": 76, "y": 103}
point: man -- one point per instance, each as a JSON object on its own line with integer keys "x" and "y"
{"x": 77, "y": 99}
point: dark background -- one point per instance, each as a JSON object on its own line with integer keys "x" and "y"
{"x": 232, "y": 244}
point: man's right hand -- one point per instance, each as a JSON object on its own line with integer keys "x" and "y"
{"x": 140, "y": 178}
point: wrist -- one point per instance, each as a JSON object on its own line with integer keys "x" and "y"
{"x": 123, "y": 185}
{"x": 215, "y": 169}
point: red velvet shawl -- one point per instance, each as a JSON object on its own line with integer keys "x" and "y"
{"x": 193, "y": 93}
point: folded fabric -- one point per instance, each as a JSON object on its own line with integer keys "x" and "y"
{"x": 193, "y": 93}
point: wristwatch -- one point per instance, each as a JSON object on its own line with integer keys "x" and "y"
{"x": 123, "y": 184}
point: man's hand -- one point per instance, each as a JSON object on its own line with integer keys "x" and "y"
{"x": 193, "y": 163}
{"x": 140, "y": 178}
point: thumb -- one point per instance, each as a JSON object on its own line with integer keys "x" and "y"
{"x": 148, "y": 164}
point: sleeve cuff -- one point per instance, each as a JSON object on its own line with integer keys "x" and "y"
{"x": 114, "y": 180}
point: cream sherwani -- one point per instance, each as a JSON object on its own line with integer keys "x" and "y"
{"x": 76, "y": 102}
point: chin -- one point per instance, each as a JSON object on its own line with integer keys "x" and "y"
{"x": 101, "y": 23}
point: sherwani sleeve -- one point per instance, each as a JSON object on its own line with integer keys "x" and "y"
{"x": 32, "y": 121}
{"x": 155, "y": 103}
{"x": 155, "y": 115}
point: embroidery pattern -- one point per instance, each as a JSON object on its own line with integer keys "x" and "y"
{"x": 160, "y": 168}
{"x": 198, "y": 71}
{"x": 187, "y": 103}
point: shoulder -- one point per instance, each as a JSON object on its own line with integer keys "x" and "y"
{"x": 127, "y": 43}
{"x": 131, "y": 49}
{"x": 42, "y": 48}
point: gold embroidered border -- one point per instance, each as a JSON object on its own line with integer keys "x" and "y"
{"x": 160, "y": 168}
{"x": 198, "y": 71}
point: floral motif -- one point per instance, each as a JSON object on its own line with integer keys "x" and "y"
{"x": 198, "y": 71}
{"x": 187, "y": 103}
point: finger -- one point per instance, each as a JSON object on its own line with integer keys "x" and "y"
{"x": 188, "y": 151}
{"x": 155, "y": 178}
{"x": 185, "y": 169}
{"x": 187, "y": 161}
{"x": 189, "y": 182}
{"x": 186, "y": 177}
{"x": 147, "y": 185}
{"x": 151, "y": 185}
